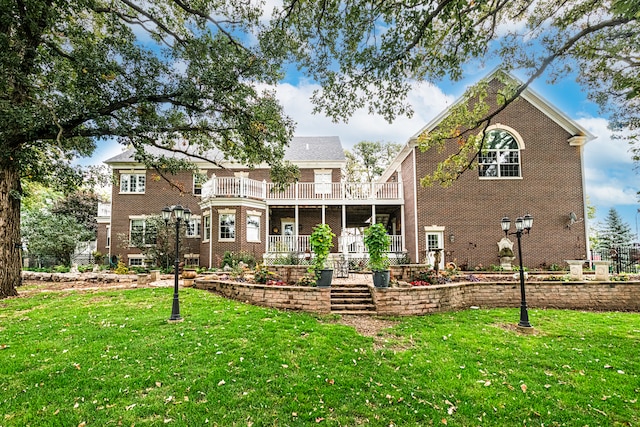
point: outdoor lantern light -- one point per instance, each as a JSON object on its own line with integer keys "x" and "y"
{"x": 523, "y": 224}
{"x": 180, "y": 214}
{"x": 506, "y": 225}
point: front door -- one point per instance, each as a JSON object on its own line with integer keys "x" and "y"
{"x": 288, "y": 235}
{"x": 435, "y": 240}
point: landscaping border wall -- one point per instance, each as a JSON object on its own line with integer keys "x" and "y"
{"x": 623, "y": 296}
{"x": 301, "y": 298}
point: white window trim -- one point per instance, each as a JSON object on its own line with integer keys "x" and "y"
{"x": 259, "y": 215}
{"x": 198, "y": 228}
{"x": 133, "y": 173}
{"x": 519, "y": 141}
{"x": 319, "y": 186}
{"x": 227, "y": 212}
{"x": 144, "y": 227}
{"x": 194, "y": 182}
{"x": 108, "y": 233}
{"x": 205, "y": 237}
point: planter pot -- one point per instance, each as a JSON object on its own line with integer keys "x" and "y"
{"x": 381, "y": 278}
{"x": 325, "y": 279}
{"x": 187, "y": 283}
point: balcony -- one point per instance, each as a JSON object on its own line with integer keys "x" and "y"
{"x": 346, "y": 244}
{"x": 302, "y": 191}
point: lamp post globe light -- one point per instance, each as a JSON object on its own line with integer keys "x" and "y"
{"x": 523, "y": 225}
{"x": 180, "y": 214}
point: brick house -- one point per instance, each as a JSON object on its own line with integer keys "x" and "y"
{"x": 534, "y": 164}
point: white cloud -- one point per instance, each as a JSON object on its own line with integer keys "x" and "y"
{"x": 609, "y": 168}
{"x": 427, "y": 101}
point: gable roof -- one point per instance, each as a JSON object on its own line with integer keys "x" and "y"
{"x": 300, "y": 149}
{"x": 579, "y": 134}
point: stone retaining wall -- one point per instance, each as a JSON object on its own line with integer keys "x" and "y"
{"x": 568, "y": 295}
{"x": 441, "y": 298}
{"x": 303, "y": 298}
{"x": 78, "y": 277}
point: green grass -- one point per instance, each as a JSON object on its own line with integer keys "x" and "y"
{"x": 111, "y": 358}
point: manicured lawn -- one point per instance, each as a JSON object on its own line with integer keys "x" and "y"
{"x": 110, "y": 358}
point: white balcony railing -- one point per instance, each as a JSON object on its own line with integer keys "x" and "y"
{"x": 348, "y": 244}
{"x": 245, "y": 187}
{"x": 288, "y": 244}
{"x": 355, "y": 244}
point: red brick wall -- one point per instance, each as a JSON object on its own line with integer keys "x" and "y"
{"x": 471, "y": 208}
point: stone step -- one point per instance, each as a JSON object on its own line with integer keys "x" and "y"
{"x": 350, "y": 293}
{"x": 353, "y": 307}
{"x": 364, "y": 300}
{"x": 354, "y": 312}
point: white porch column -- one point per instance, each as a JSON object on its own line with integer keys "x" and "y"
{"x": 343, "y": 249}
{"x": 296, "y": 227}
{"x": 323, "y": 214}
{"x": 373, "y": 214}
{"x": 210, "y": 237}
{"x": 402, "y": 232}
{"x": 267, "y": 229}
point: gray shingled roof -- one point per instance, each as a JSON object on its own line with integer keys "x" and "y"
{"x": 301, "y": 148}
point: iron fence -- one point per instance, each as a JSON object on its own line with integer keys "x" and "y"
{"x": 623, "y": 259}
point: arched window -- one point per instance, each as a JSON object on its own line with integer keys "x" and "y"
{"x": 500, "y": 157}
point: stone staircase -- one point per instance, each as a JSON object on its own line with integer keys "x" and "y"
{"x": 351, "y": 299}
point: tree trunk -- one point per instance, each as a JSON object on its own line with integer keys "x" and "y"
{"x": 10, "y": 259}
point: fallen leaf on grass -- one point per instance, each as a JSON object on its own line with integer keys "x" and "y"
{"x": 319, "y": 420}
{"x": 222, "y": 382}
{"x": 523, "y": 387}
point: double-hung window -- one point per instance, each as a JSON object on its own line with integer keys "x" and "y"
{"x": 132, "y": 182}
{"x": 253, "y": 226}
{"x": 501, "y": 156}
{"x": 141, "y": 232}
{"x": 193, "y": 227}
{"x": 206, "y": 220}
{"x": 227, "y": 225}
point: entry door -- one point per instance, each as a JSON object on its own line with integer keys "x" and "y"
{"x": 288, "y": 235}
{"x": 435, "y": 240}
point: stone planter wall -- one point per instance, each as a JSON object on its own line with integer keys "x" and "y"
{"x": 303, "y": 298}
{"x": 290, "y": 273}
{"x": 407, "y": 272}
{"x": 569, "y": 295}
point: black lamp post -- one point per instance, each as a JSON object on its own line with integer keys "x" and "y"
{"x": 523, "y": 224}
{"x": 180, "y": 214}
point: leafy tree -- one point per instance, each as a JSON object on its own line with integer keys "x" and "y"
{"x": 53, "y": 236}
{"x": 81, "y": 205}
{"x": 615, "y": 233}
{"x": 368, "y": 160}
{"x": 168, "y": 73}
{"x": 370, "y": 53}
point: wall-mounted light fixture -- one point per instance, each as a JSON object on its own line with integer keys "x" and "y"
{"x": 452, "y": 238}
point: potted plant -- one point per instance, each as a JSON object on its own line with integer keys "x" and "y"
{"x": 321, "y": 242}
{"x": 377, "y": 242}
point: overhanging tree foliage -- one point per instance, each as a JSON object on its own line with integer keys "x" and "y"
{"x": 169, "y": 73}
{"x": 369, "y": 53}
{"x": 368, "y": 160}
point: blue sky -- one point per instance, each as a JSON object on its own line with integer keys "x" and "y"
{"x": 610, "y": 176}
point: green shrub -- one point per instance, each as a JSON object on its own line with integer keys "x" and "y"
{"x": 61, "y": 269}
{"x": 232, "y": 259}
{"x": 85, "y": 268}
{"x": 121, "y": 268}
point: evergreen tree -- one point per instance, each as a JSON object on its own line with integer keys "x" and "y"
{"x": 615, "y": 233}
